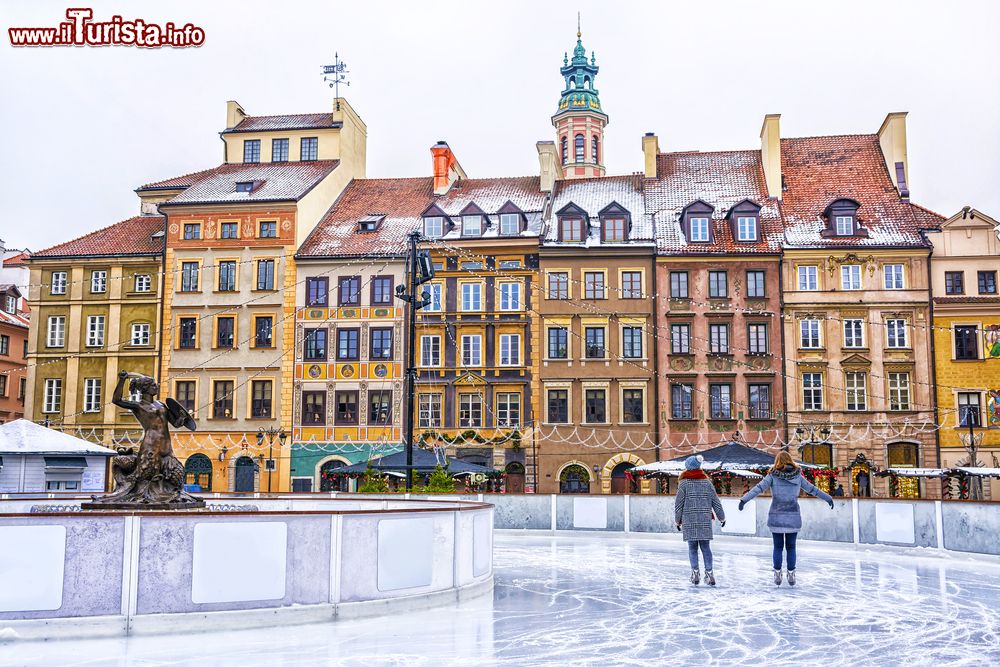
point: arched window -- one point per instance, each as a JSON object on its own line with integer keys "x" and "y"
{"x": 198, "y": 470}
{"x": 579, "y": 148}
{"x": 335, "y": 483}
{"x": 245, "y": 475}
{"x": 572, "y": 83}
{"x": 574, "y": 479}
{"x": 586, "y": 82}
{"x": 565, "y": 150}
{"x": 817, "y": 453}
{"x": 514, "y": 473}
{"x": 593, "y": 150}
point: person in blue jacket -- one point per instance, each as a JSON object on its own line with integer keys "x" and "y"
{"x": 785, "y": 480}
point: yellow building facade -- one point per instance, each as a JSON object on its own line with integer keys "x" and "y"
{"x": 966, "y": 260}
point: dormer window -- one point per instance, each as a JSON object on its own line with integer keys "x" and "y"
{"x": 698, "y": 229}
{"x": 472, "y": 225}
{"x": 614, "y": 230}
{"x": 844, "y": 225}
{"x": 10, "y": 303}
{"x": 510, "y": 224}
{"x": 697, "y": 222}
{"x": 746, "y": 228}
{"x": 370, "y": 223}
{"x": 571, "y": 230}
{"x": 842, "y": 219}
{"x": 744, "y": 219}
{"x": 434, "y": 227}
{"x": 244, "y": 186}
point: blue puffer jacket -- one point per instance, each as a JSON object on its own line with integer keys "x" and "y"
{"x": 785, "y": 485}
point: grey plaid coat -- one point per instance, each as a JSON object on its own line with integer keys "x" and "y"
{"x": 696, "y": 500}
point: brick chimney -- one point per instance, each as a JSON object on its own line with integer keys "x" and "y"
{"x": 447, "y": 170}
{"x": 770, "y": 154}
{"x": 892, "y": 140}
{"x": 650, "y": 149}
{"x": 549, "y": 169}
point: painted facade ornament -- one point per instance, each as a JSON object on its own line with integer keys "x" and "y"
{"x": 991, "y": 340}
{"x": 993, "y": 408}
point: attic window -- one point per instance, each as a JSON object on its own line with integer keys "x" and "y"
{"x": 698, "y": 226}
{"x": 697, "y": 222}
{"x": 614, "y": 230}
{"x": 370, "y": 223}
{"x": 744, "y": 220}
{"x": 842, "y": 219}
{"x": 434, "y": 227}
{"x": 244, "y": 186}
{"x": 510, "y": 224}
{"x": 472, "y": 225}
{"x": 571, "y": 230}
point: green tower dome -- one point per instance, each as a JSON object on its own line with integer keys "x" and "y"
{"x": 579, "y": 75}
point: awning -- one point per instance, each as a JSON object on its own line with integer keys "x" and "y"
{"x": 980, "y": 472}
{"x": 913, "y": 472}
{"x": 65, "y": 462}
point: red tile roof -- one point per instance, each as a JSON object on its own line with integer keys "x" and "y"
{"x": 298, "y": 121}
{"x": 967, "y": 299}
{"x": 721, "y": 179}
{"x": 400, "y": 200}
{"x": 20, "y": 320}
{"x": 275, "y": 181}
{"x": 20, "y": 259}
{"x": 177, "y": 182}
{"x": 133, "y": 236}
{"x": 819, "y": 170}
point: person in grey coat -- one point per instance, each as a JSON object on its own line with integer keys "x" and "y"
{"x": 784, "y": 519}
{"x": 696, "y": 500}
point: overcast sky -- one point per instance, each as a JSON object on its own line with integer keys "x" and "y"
{"x": 84, "y": 126}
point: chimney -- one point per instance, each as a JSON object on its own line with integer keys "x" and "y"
{"x": 549, "y": 169}
{"x": 892, "y": 140}
{"x": 447, "y": 170}
{"x": 650, "y": 149}
{"x": 234, "y": 114}
{"x": 770, "y": 154}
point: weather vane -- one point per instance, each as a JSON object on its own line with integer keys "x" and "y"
{"x": 338, "y": 75}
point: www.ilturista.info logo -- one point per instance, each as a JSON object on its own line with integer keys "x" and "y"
{"x": 81, "y": 30}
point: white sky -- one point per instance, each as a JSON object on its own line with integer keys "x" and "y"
{"x": 84, "y": 126}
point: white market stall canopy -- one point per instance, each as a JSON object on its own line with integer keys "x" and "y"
{"x": 915, "y": 472}
{"x": 24, "y": 437}
{"x": 981, "y": 472}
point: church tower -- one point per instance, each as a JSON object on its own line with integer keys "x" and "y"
{"x": 580, "y": 122}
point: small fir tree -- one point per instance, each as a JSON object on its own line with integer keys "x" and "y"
{"x": 373, "y": 482}
{"x": 440, "y": 481}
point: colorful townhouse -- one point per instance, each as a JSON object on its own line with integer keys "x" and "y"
{"x": 14, "y": 330}
{"x": 966, "y": 259}
{"x": 718, "y": 299}
{"x": 229, "y": 285}
{"x": 347, "y": 395}
{"x": 857, "y": 305}
{"x": 95, "y": 305}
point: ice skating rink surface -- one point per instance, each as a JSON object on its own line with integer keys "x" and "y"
{"x": 594, "y": 600}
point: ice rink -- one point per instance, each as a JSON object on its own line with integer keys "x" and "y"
{"x": 592, "y": 600}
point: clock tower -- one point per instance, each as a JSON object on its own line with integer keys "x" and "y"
{"x": 580, "y": 121}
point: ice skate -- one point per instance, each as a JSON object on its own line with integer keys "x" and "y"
{"x": 696, "y": 577}
{"x": 791, "y": 577}
{"x": 777, "y": 577}
{"x": 709, "y": 577}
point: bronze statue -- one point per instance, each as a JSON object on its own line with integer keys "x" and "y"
{"x": 153, "y": 478}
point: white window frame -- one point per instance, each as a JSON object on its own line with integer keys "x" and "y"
{"x": 850, "y": 277}
{"x": 430, "y": 351}
{"x": 98, "y": 282}
{"x": 52, "y": 396}
{"x": 899, "y": 391}
{"x": 472, "y": 350}
{"x": 56, "y": 331}
{"x": 893, "y": 276}
{"x": 95, "y": 330}
{"x": 854, "y": 332}
{"x": 746, "y": 228}
{"x": 856, "y": 383}
{"x": 434, "y": 227}
{"x": 437, "y": 302}
{"x": 140, "y": 333}
{"x": 814, "y": 388}
{"x": 508, "y": 219}
{"x": 58, "y": 285}
{"x": 429, "y": 411}
{"x": 506, "y": 399}
{"x": 900, "y": 328}
{"x": 510, "y": 296}
{"x": 143, "y": 282}
{"x": 809, "y": 278}
{"x": 510, "y": 350}
{"x": 92, "y": 395}
{"x": 472, "y": 297}
{"x": 844, "y": 225}
{"x": 808, "y": 336}
{"x": 471, "y": 399}
{"x": 699, "y": 229}
{"x": 468, "y": 220}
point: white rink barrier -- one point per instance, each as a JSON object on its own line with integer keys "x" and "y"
{"x": 296, "y": 560}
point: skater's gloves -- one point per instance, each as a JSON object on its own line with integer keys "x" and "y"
{"x": 831, "y": 504}
{"x": 723, "y": 524}
{"x": 678, "y": 526}
{"x": 741, "y": 505}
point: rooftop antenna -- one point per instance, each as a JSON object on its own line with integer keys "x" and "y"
{"x": 338, "y": 71}
{"x": 578, "y": 33}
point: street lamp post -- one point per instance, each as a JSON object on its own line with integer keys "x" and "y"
{"x": 420, "y": 270}
{"x": 269, "y": 435}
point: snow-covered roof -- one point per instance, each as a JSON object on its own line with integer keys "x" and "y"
{"x": 593, "y": 195}
{"x": 22, "y": 436}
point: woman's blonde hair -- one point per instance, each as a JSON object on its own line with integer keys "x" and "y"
{"x": 782, "y": 460}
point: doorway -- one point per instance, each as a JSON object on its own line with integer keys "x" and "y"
{"x": 515, "y": 478}
{"x": 246, "y": 470}
{"x": 620, "y": 483}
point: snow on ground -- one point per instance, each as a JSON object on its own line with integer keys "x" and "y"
{"x": 589, "y": 600}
